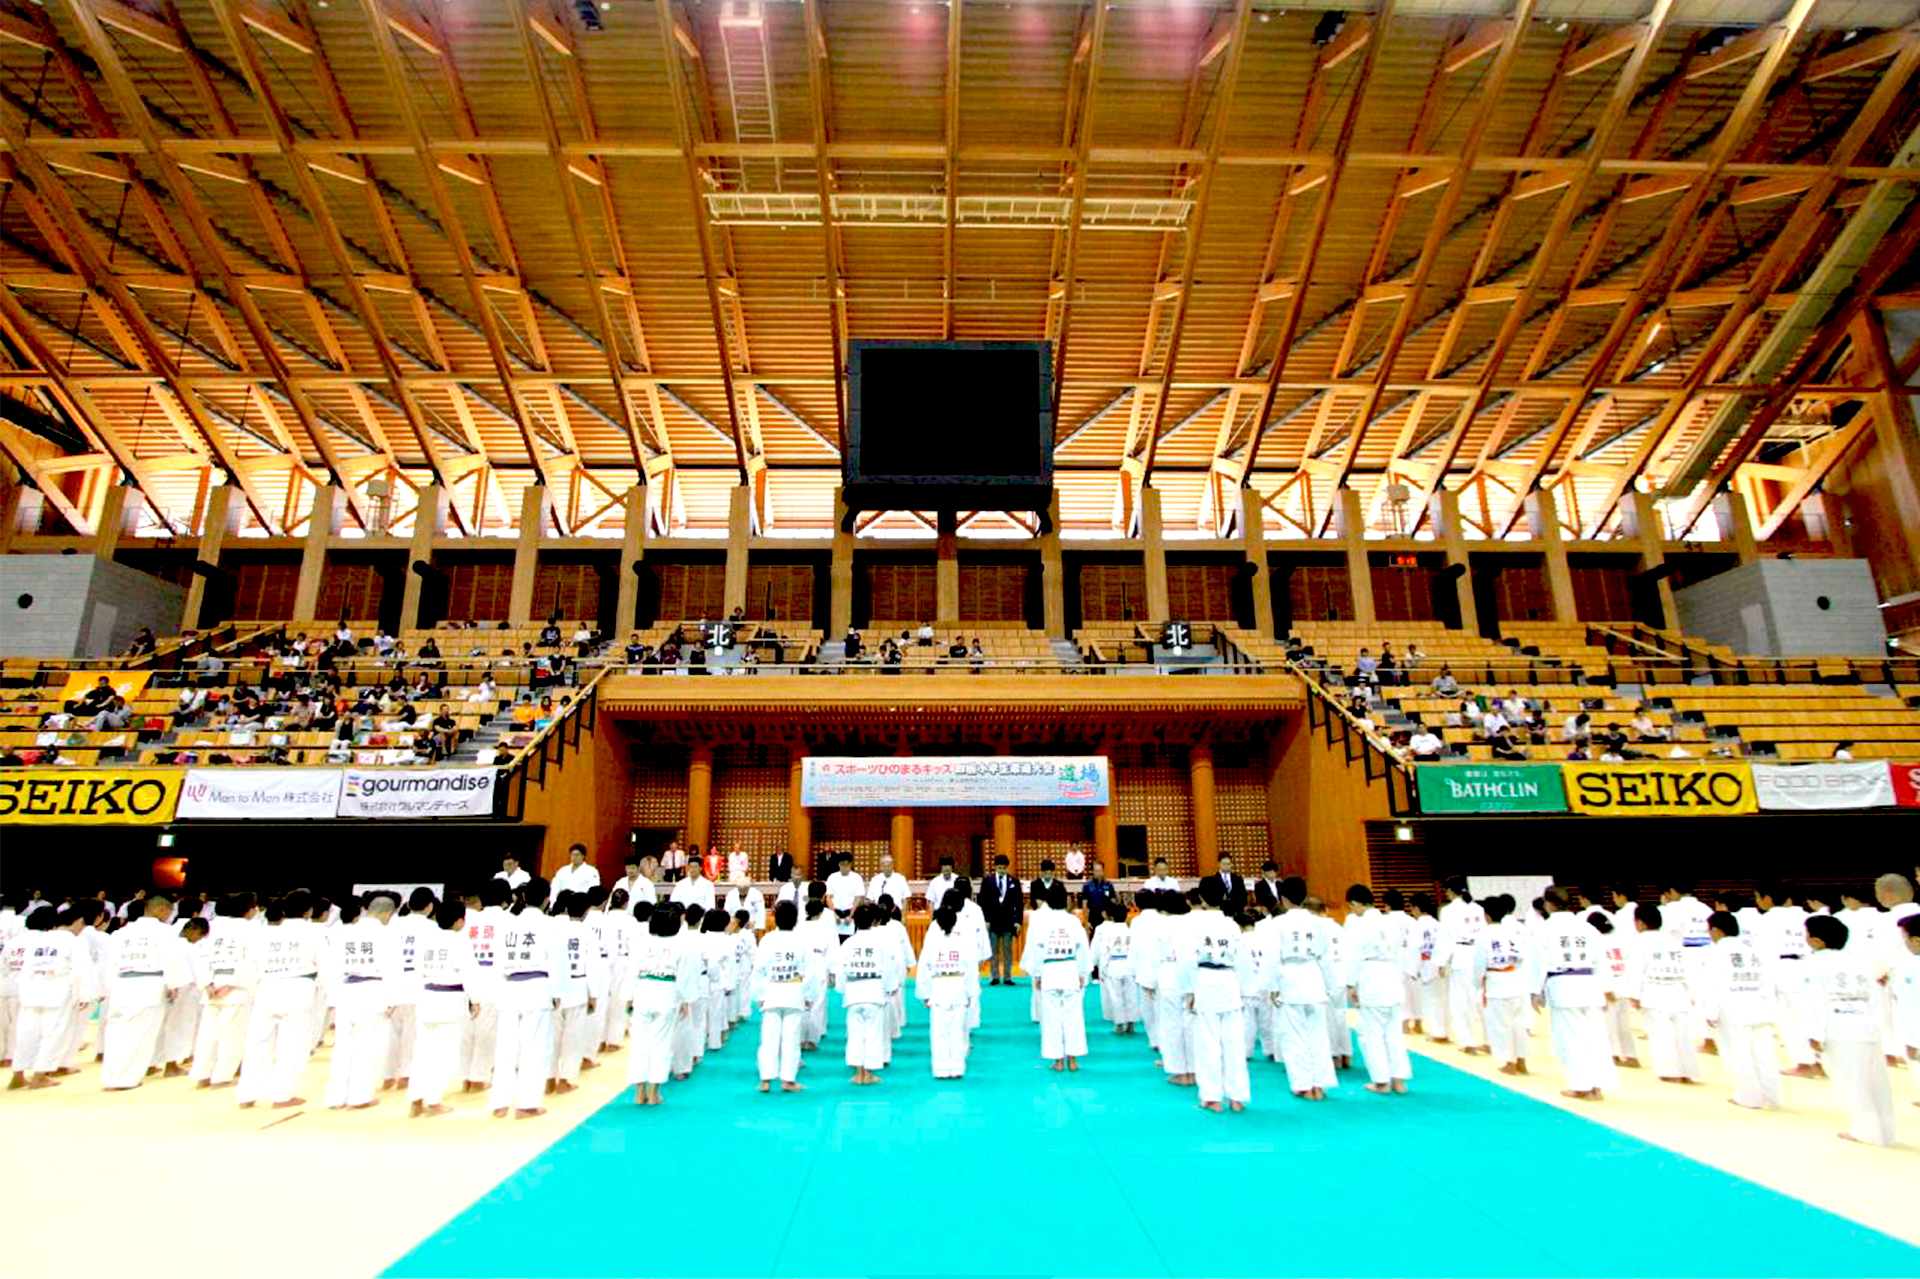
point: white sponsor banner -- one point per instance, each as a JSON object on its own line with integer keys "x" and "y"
{"x": 417, "y": 792}
{"x": 1800, "y": 787}
{"x": 259, "y": 793}
{"x": 957, "y": 781}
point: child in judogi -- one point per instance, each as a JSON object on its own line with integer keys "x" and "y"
{"x": 1657, "y": 984}
{"x": 867, "y": 970}
{"x": 579, "y": 995}
{"x": 1299, "y": 975}
{"x": 409, "y": 928}
{"x": 1112, "y": 961}
{"x": 285, "y": 957}
{"x": 1566, "y": 982}
{"x": 1847, "y": 1031}
{"x": 822, "y": 937}
{"x": 786, "y": 976}
{"x": 745, "y": 942}
{"x": 601, "y": 941}
{"x": 1146, "y": 960}
{"x": 1617, "y": 962}
{"x": 181, "y": 1025}
{"x": 1737, "y": 997}
{"x": 13, "y": 958}
{"x": 1168, "y": 942}
{"x": 1257, "y": 1011}
{"x": 1057, "y": 958}
{"x": 225, "y": 979}
{"x": 1339, "y": 1034}
{"x": 895, "y": 926}
{"x": 690, "y": 1032}
{"x": 1215, "y": 974}
{"x": 443, "y": 961}
{"x": 1779, "y": 936}
{"x": 366, "y": 972}
{"x": 1903, "y": 983}
{"x": 531, "y": 977}
{"x": 617, "y": 927}
{"x": 1393, "y": 904}
{"x": 1500, "y": 957}
{"x": 1371, "y": 951}
{"x": 1426, "y": 992}
{"x": 947, "y": 965}
{"x": 663, "y": 970}
{"x": 57, "y": 982}
{"x": 1461, "y": 920}
{"x": 973, "y": 926}
{"x": 146, "y": 964}
{"x": 719, "y": 949}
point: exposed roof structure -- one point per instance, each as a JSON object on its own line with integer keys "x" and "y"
{"x": 1596, "y": 244}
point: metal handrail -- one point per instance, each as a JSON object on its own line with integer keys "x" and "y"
{"x": 548, "y": 748}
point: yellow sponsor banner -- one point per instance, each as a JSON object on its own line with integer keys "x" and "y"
{"x": 1669, "y": 788}
{"x": 89, "y": 797}
{"x": 129, "y": 684}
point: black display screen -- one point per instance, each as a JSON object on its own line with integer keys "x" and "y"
{"x": 949, "y": 412}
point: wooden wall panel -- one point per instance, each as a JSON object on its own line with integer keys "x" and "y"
{"x": 1602, "y": 593}
{"x": 992, "y": 592}
{"x": 479, "y": 591}
{"x": 264, "y": 590}
{"x": 1520, "y": 592}
{"x": 1320, "y": 593}
{"x": 659, "y": 788}
{"x": 1200, "y": 592}
{"x": 783, "y": 591}
{"x": 1403, "y": 594}
{"x": 864, "y": 832}
{"x": 901, "y": 592}
{"x": 1240, "y": 805}
{"x": 750, "y": 802}
{"x": 1151, "y": 789}
{"x": 349, "y": 590}
{"x": 566, "y": 591}
{"x": 689, "y": 592}
{"x": 1113, "y": 592}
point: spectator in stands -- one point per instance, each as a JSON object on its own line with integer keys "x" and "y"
{"x": 1425, "y": 743}
{"x": 1366, "y": 667}
{"x": 1535, "y": 726}
{"x": 1644, "y": 729}
{"x": 891, "y": 656}
{"x": 1493, "y": 722}
{"x": 1387, "y": 669}
{"x": 958, "y": 649}
{"x": 484, "y": 691}
{"x": 10, "y": 758}
{"x": 978, "y": 654}
{"x": 446, "y": 732}
{"x": 344, "y": 633}
{"x": 1444, "y": 684}
{"x": 1578, "y": 728}
{"x": 1410, "y": 664}
{"x": 852, "y": 644}
{"x": 543, "y": 716}
{"x": 1580, "y": 752}
{"x": 187, "y": 707}
{"x": 211, "y": 669}
{"x": 1843, "y": 752}
{"x": 1359, "y": 700}
{"x": 383, "y": 643}
{"x": 1296, "y": 649}
{"x": 1502, "y": 746}
{"x": 143, "y": 643}
{"x": 93, "y": 701}
{"x": 1513, "y": 706}
{"x": 429, "y": 651}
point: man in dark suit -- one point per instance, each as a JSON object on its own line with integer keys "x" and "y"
{"x": 1002, "y": 902}
{"x": 1234, "y": 887}
{"x": 779, "y": 863}
{"x": 1266, "y": 889}
{"x": 1096, "y": 894}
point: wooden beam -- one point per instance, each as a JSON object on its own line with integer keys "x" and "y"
{"x": 823, "y": 180}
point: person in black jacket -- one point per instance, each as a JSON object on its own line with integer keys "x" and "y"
{"x": 1266, "y": 889}
{"x": 1002, "y": 902}
{"x": 1232, "y": 885}
{"x": 1096, "y": 894}
{"x": 780, "y": 862}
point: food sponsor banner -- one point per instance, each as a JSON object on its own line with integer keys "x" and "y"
{"x": 957, "y": 781}
{"x": 1803, "y": 787}
{"x": 1906, "y": 784}
{"x": 260, "y": 793}
{"x": 129, "y": 684}
{"x": 1491, "y": 788}
{"x": 417, "y": 792}
{"x": 1666, "y": 789}
{"x": 86, "y": 797}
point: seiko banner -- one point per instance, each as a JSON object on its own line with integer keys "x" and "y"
{"x": 85, "y": 797}
{"x": 416, "y": 792}
{"x": 259, "y": 794}
{"x": 1665, "y": 789}
{"x": 956, "y": 781}
{"x": 1805, "y": 787}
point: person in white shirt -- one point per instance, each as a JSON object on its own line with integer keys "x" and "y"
{"x": 888, "y": 883}
{"x": 1160, "y": 881}
{"x": 443, "y": 958}
{"x": 1113, "y": 962}
{"x": 511, "y": 872}
{"x": 1056, "y": 956}
{"x": 1566, "y": 981}
{"x": 576, "y": 876}
{"x": 787, "y": 977}
{"x": 1847, "y": 1031}
{"x": 366, "y": 972}
{"x": 225, "y": 980}
{"x": 1215, "y": 973}
{"x": 638, "y": 879}
{"x": 1777, "y": 930}
{"x": 695, "y": 890}
{"x": 146, "y": 964}
{"x": 1500, "y": 957}
{"x": 1460, "y": 923}
{"x": 947, "y": 965}
{"x": 1425, "y": 743}
{"x": 284, "y": 956}
{"x": 57, "y": 982}
{"x": 1737, "y": 997}
{"x": 749, "y": 898}
{"x": 737, "y": 870}
{"x": 662, "y": 971}
{"x": 866, "y": 968}
{"x": 1371, "y": 950}
{"x": 937, "y": 886}
{"x": 844, "y": 891}
{"x": 1299, "y": 975}
{"x": 674, "y": 859}
{"x": 1659, "y": 986}
{"x": 529, "y": 981}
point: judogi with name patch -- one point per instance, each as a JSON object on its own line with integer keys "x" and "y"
{"x": 1057, "y": 958}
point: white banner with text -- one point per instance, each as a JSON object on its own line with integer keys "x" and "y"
{"x": 259, "y": 793}
{"x": 1803, "y": 787}
{"x": 417, "y": 792}
{"x": 954, "y": 781}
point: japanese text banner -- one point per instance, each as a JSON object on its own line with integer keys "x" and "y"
{"x": 1666, "y": 789}
{"x": 954, "y": 781}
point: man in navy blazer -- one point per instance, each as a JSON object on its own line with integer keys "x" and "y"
{"x": 1001, "y": 901}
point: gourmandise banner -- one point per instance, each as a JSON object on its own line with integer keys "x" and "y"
{"x": 1666, "y": 789}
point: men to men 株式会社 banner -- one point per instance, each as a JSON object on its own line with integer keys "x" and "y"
{"x": 243, "y": 793}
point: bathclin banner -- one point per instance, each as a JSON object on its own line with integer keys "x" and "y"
{"x": 1665, "y": 789}
{"x": 1802, "y": 787}
{"x": 417, "y": 792}
{"x": 260, "y": 794}
{"x": 1491, "y": 788}
{"x": 84, "y": 797}
{"x": 954, "y": 781}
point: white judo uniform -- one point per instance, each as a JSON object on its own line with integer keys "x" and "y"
{"x": 1113, "y": 958}
{"x": 661, "y": 975}
{"x": 787, "y": 977}
{"x": 1658, "y": 979}
{"x": 1299, "y": 975}
{"x": 1847, "y": 1028}
{"x": 224, "y": 975}
{"x": 1058, "y": 959}
{"x": 867, "y": 970}
{"x": 1371, "y": 951}
{"x": 1779, "y": 937}
{"x": 1566, "y": 975}
{"x": 1500, "y": 957}
{"x": 443, "y": 960}
{"x": 1214, "y": 975}
{"x": 486, "y": 932}
{"x": 365, "y": 977}
{"x": 531, "y": 974}
{"x": 946, "y": 977}
{"x": 285, "y": 958}
{"x": 57, "y": 982}
{"x": 146, "y": 965}
{"x": 1460, "y": 923}
{"x": 1738, "y": 997}
{"x": 585, "y": 965}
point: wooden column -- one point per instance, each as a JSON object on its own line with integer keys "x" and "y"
{"x": 1643, "y": 524}
{"x": 526, "y": 552}
{"x": 429, "y": 518}
{"x": 1005, "y": 830}
{"x": 799, "y": 820}
{"x": 633, "y": 549}
{"x": 1350, "y": 517}
{"x": 1053, "y": 576}
{"x": 900, "y": 843}
{"x": 17, "y": 502}
{"x": 1206, "y": 826}
{"x": 1154, "y": 552}
{"x": 700, "y": 796}
{"x": 1445, "y": 513}
{"x": 739, "y": 543}
{"x": 1544, "y": 516}
{"x": 946, "y": 570}
{"x": 222, "y": 514}
{"x": 1253, "y": 544}
{"x": 1736, "y": 524}
{"x": 1106, "y": 827}
{"x": 840, "y": 580}
{"x": 323, "y": 521}
{"x": 119, "y": 506}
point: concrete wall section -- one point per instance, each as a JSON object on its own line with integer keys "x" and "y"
{"x": 81, "y": 606}
{"x": 1788, "y": 608}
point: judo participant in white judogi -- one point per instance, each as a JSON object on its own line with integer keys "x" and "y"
{"x": 617, "y": 927}
{"x": 786, "y": 976}
{"x": 1261, "y": 1020}
{"x": 365, "y": 978}
{"x": 821, "y": 934}
{"x": 486, "y": 933}
{"x": 1146, "y": 953}
{"x": 1846, "y": 1031}
{"x": 1737, "y": 997}
{"x": 1658, "y": 986}
{"x": 972, "y": 926}
{"x": 1778, "y": 933}
{"x": 1059, "y": 962}
{"x": 716, "y": 944}
{"x": 285, "y": 957}
{"x": 894, "y": 926}
{"x": 1500, "y": 957}
{"x": 663, "y": 968}
{"x": 1339, "y": 1034}
{"x": 409, "y": 928}
{"x": 1616, "y": 971}
{"x": 1461, "y": 920}
{"x": 531, "y": 977}
{"x": 1371, "y": 952}
{"x": 1113, "y": 961}
{"x": 443, "y": 961}
{"x": 1299, "y": 974}
{"x": 746, "y": 944}
{"x": 1162, "y": 950}
{"x": 146, "y": 965}
{"x": 948, "y": 964}
{"x": 1214, "y": 975}
{"x": 1426, "y": 989}
{"x": 57, "y": 982}
{"x": 585, "y": 965}
{"x": 867, "y": 970}
{"x": 225, "y": 978}
{"x": 1567, "y": 983}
